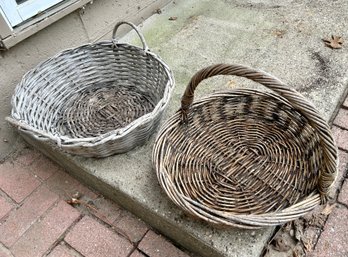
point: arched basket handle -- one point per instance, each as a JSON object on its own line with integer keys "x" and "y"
{"x": 142, "y": 39}
{"x": 329, "y": 170}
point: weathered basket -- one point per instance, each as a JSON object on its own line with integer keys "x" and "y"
{"x": 94, "y": 100}
{"x": 245, "y": 158}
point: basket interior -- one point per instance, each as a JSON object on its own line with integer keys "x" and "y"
{"x": 245, "y": 152}
{"x": 91, "y": 90}
{"x": 103, "y": 108}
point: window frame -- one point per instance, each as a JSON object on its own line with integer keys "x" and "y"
{"x": 18, "y": 13}
{"x": 11, "y": 35}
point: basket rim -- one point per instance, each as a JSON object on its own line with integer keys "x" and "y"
{"x": 68, "y": 142}
{"x": 246, "y": 221}
{"x": 284, "y": 93}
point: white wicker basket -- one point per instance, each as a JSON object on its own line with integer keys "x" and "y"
{"x": 94, "y": 100}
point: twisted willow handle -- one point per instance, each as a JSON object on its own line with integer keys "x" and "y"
{"x": 142, "y": 39}
{"x": 328, "y": 172}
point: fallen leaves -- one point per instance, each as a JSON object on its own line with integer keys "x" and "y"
{"x": 328, "y": 209}
{"x": 335, "y": 42}
{"x": 298, "y": 251}
{"x": 281, "y": 244}
{"x": 299, "y": 228}
{"x": 308, "y": 244}
{"x": 76, "y": 200}
{"x": 298, "y": 238}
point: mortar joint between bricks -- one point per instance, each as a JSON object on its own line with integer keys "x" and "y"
{"x": 113, "y": 228}
{"x": 342, "y": 204}
{"x": 61, "y": 238}
{"x": 72, "y": 248}
{"x": 131, "y": 252}
{"x": 343, "y": 150}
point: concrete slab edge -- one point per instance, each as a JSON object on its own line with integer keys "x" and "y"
{"x": 338, "y": 106}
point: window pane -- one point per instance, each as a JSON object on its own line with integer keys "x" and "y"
{"x": 34, "y": 7}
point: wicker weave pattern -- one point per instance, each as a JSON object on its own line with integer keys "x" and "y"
{"x": 245, "y": 158}
{"x": 95, "y": 100}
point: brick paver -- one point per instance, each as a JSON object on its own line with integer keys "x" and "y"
{"x": 341, "y": 137}
{"x": 155, "y": 245}
{"x": 343, "y": 163}
{"x": 343, "y": 195}
{"x": 22, "y": 218}
{"x": 136, "y": 253}
{"x": 133, "y": 227}
{"x": 43, "y": 168}
{"x": 35, "y": 219}
{"x": 92, "y": 239}
{"x": 4, "y": 252}
{"x": 106, "y": 210}
{"x": 16, "y": 181}
{"x": 66, "y": 186}
{"x": 5, "y": 207}
{"x": 342, "y": 170}
{"x": 39, "y": 238}
{"x": 61, "y": 251}
{"x": 27, "y": 157}
{"x": 42, "y": 223}
{"x": 345, "y": 103}
{"x": 341, "y": 118}
{"x": 332, "y": 241}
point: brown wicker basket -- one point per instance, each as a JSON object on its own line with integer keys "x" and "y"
{"x": 94, "y": 100}
{"x": 245, "y": 158}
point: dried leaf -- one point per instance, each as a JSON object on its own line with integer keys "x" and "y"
{"x": 287, "y": 227}
{"x": 308, "y": 246}
{"x": 328, "y": 209}
{"x": 317, "y": 220}
{"x": 298, "y": 225}
{"x": 295, "y": 254}
{"x": 280, "y": 244}
{"x": 232, "y": 84}
{"x": 173, "y": 18}
{"x": 309, "y": 238}
{"x": 298, "y": 251}
{"x": 335, "y": 42}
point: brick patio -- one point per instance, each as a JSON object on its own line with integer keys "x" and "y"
{"x": 37, "y": 219}
{"x": 332, "y": 241}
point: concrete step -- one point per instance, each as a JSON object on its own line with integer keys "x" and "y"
{"x": 281, "y": 37}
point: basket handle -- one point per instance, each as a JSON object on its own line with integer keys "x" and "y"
{"x": 142, "y": 39}
{"x": 327, "y": 175}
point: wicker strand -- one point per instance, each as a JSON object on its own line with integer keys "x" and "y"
{"x": 245, "y": 158}
{"x": 94, "y": 100}
{"x": 328, "y": 173}
{"x": 142, "y": 39}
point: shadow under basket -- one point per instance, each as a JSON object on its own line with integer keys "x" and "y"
{"x": 94, "y": 100}
{"x": 245, "y": 158}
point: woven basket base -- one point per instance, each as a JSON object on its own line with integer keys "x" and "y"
{"x": 241, "y": 153}
{"x": 101, "y": 108}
